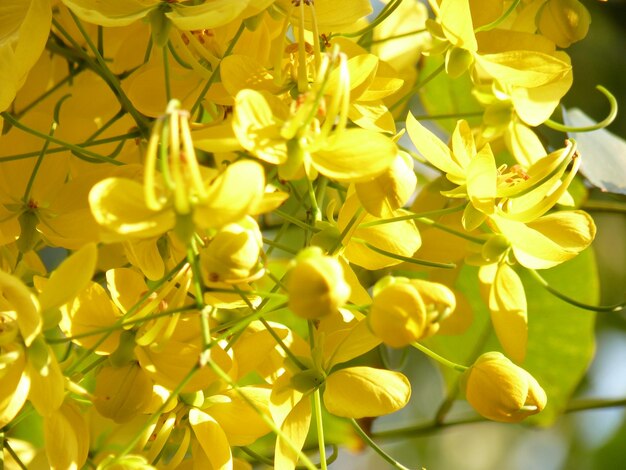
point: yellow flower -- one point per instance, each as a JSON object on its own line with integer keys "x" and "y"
{"x": 316, "y": 284}
{"x": 122, "y": 393}
{"x": 232, "y": 255}
{"x": 404, "y": 311}
{"x": 564, "y": 21}
{"x": 67, "y": 438}
{"x": 184, "y": 196}
{"x": 301, "y": 142}
{"x": 501, "y": 391}
{"x": 351, "y": 392}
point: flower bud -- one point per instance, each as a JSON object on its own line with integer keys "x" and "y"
{"x": 233, "y": 254}
{"x": 404, "y": 311}
{"x": 564, "y": 21}
{"x": 398, "y": 314}
{"x": 501, "y": 391}
{"x": 316, "y": 284}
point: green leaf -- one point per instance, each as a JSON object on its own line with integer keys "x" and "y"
{"x": 561, "y": 339}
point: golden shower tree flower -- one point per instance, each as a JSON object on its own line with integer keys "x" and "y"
{"x": 407, "y": 310}
{"x": 501, "y": 391}
{"x": 316, "y": 284}
{"x": 183, "y": 197}
{"x": 350, "y": 392}
{"x": 303, "y": 143}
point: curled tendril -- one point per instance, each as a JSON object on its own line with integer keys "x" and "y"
{"x": 600, "y": 125}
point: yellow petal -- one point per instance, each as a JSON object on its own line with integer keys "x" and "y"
{"x": 526, "y": 69}
{"x": 111, "y": 12}
{"x": 210, "y": 14}
{"x": 118, "y": 204}
{"x": 122, "y": 393}
{"x": 145, "y": 255}
{"x": 295, "y": 428}
{"x": 549, "y": 240}
{"x": 92, "y": 309}
{"x": 212, "y": 439}
{"x": 355, "y": 155}
{"x": 507, "y": 304}
{"x": 239, "y": 421}
{"x": 400, "y": 238}
{"x": 25, "y": 305}
{"x": 69, "y": 278}
{"x": 47, "y": 384}
{"x": 456, "y": 20}
{"x": 434, "y": 150}
{"x": 15, "y": 384}
{"x": 389, "y": 191}
{"x": 257, "y": 123}
{"x": 332, "y": 15}
{"x": 67, "y": 438}
{"x": 359, "y": 392}
{"x": 481, "y": 180}
{"x": 241, "y": 71}
{"x": 173, "y": 361}
{"x": 231, "y": 195}
{"x": 356, "y": 341}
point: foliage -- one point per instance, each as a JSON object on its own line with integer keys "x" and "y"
{"x": 251, "y": 214}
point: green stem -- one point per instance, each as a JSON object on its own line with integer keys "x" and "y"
{"x": 295, "y": 221}
{"x": 594, "y": 308}
{"x": 93, "y": 365}
{"x": 22, "y": 156}
{"x": 345, "y": 231}
{"x": 280, "y": 246}
{"x": 604, "y": 206}
{"x": 435, "y": 117}
{"x": 67, "y": 146}
{"x": 406, "y": 259}
{"x": 438, "y": 358}
{"x": 81, "y": 67}
{"x": 588, "y": 404}
{"x": 382, "y": 16}
{"x": 282, "y": 345}
{"x": 413, "y": 216}
{"x": 13, "y": 454}
{"x": 417, "y": 87}
{"x": 33, "y": 174}
{"x": 315, "y": 210}
{"x": 215, "y": 73}
{"x": 317, "y": 407}
{"x": 166, "y": 75}
{"x": 110, "y": 78}
{"x": 123, "y": 325}
{"x": 363, "y": 435}
{"x": 444, "y": 228}
{"x": 600, "y": 125}
{"x": 392, "y": 38}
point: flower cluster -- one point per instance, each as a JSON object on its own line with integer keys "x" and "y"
{"x": 243, "y": 221}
